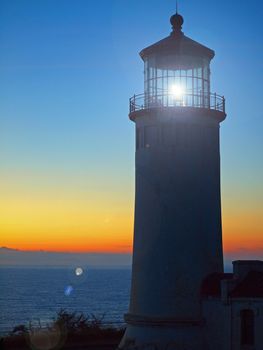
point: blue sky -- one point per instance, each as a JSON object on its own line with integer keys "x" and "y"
{"x": 68, "y": 68}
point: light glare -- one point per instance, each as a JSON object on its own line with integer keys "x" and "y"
{"x": 177, "y": 91}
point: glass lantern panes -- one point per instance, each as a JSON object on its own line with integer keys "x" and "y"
{"x": 177, "y": 85}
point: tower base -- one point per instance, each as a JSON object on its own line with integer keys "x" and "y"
{"x": 165, "y": 336}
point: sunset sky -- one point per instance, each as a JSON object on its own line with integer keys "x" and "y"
{"x": 67, "y": 70}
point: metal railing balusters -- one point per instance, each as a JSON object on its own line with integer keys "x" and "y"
{"x": 196, "y": 100}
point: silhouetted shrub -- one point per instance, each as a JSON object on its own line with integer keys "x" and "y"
{"x": 67, "y": 328}
{"x": 71, "y": 322}
{"x": 21, "y": 329}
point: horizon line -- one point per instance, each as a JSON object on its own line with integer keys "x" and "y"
{"x": 65, "y": 252}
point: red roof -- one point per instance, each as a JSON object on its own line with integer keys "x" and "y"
{"x": 250, "y": 287}
{"x": 211, "y": 285}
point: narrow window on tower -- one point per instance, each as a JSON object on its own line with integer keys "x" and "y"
{"x": 247, "y": 327}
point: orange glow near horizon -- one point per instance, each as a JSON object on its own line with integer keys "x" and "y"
{"x": 28, "y": 226}
{"x": 63, "y": 218}
{"x": 243, "y": 224}
{"x": 38, "y": 227}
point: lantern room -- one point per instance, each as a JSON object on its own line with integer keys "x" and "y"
{"x": 177, "y": 74}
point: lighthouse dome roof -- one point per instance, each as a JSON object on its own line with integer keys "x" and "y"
{"x": 177, "y": 44}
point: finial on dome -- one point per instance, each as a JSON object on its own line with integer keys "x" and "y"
{"x": 177, "y": 22}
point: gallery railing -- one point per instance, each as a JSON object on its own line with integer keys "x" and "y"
{"x": 197, "y": 100}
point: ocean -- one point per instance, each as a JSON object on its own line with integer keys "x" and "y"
{"x": 35, "y": 295}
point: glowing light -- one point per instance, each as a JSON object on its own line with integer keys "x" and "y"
{"x": 79, "y": 271}
{"x": 177, "y": 91}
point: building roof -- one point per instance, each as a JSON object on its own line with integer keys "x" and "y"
{"x": 250, "y": 287}
{"x": 211, "y": 285}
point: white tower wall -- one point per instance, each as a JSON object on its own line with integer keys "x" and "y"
{"x": 177, "y": 233}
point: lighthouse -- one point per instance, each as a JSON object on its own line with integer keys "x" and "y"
{"x": 177, "y": 229}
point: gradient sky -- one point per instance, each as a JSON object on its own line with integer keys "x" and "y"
{"x": 67, "y": 69}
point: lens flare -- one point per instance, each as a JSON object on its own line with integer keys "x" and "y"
{"x": 45, "y": 339}
{"x": 79, "y": 271}
{"x": 68, "y": 291}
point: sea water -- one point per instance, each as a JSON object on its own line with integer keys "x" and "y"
{"x": 35, "y": 295}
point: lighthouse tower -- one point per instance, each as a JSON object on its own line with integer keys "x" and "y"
{"x": 177, "y": 232}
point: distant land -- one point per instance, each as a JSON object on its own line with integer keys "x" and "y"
{"x": 16, "y": 258}
{"x": 21, "y": 258}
